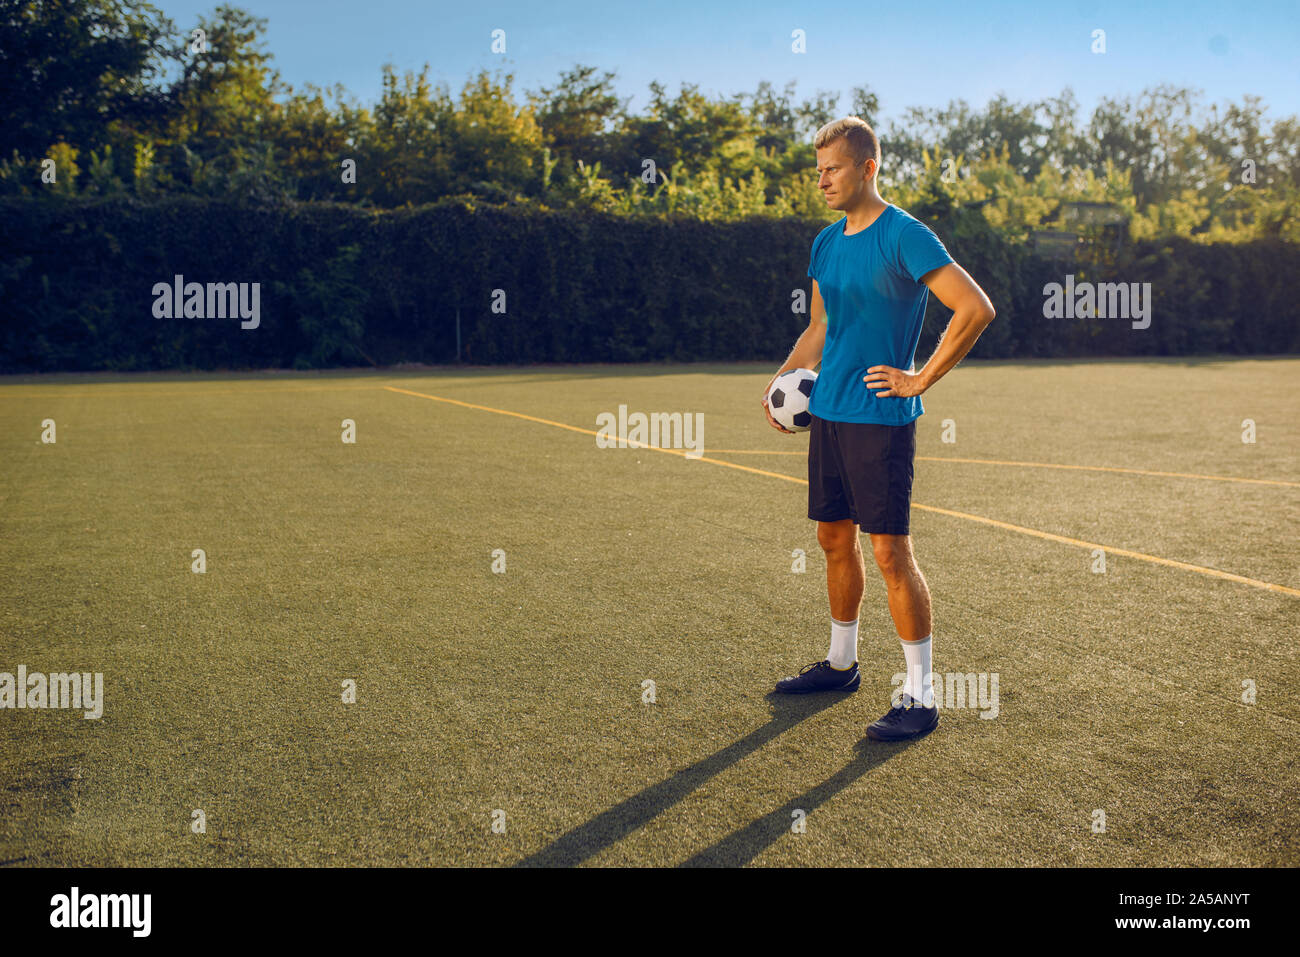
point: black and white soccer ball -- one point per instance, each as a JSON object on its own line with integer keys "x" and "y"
{"x": 788, "y": 399}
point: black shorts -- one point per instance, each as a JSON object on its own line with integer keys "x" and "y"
{"x": 861, "y": 471}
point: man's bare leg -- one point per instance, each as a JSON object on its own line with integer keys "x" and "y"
{"x": 846, "y": 572}
{"x": 909, "y": 606}
{"x": 846, "y": 577}
{"x": 909, "y": 595}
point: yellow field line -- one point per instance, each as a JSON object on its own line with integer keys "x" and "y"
{"x": 575, "y": 428}
{"x": 1115, "y": 468}
{"x": 1109, "y": 550}
{"x": 1043, "y": 465}
{"x": 1141, "y": 556}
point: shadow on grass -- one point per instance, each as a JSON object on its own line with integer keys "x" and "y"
{"x": 742, "y": 846}
{"x": 609, "y": 827}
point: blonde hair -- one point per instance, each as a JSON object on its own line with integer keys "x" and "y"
{"x": 859, "y": 137}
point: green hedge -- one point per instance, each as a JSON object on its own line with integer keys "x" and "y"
{"x": 342, "y": 285}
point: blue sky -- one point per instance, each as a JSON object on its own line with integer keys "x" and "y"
{"x": 910, "y": 54}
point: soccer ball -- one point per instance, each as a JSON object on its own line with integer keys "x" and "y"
{"x": 787, "y": 400}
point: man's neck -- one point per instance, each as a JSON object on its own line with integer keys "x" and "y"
{"x": 864, "y": 214}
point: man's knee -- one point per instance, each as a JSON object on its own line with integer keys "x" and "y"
{"x": 837, "y": 538}
{"x": 893, "y": 554}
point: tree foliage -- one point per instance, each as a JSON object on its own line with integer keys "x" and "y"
{"x": 123, "y": 101}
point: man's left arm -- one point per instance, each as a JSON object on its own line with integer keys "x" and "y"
{"x": 971, "y": 314}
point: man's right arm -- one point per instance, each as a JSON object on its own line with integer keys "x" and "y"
{"x": 807, "y": 351}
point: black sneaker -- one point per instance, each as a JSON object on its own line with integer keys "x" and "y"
{"x": 906, "y": 720}
{"x": 820, "y": 676}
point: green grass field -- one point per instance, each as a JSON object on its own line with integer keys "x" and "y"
{"x": 522, "y": 692}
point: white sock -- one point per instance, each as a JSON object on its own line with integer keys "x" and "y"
{"x": 844, "y": 644}
{"x": 920, "y": 681}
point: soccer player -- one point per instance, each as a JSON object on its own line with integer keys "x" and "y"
{"x": 872, "y": 271}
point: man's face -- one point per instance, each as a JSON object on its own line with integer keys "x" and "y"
{"x": 840, "y": 181}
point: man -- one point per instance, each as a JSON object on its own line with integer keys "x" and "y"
{"x": 872, "y": 272}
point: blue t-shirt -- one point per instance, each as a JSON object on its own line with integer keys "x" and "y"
{"x": 875, "y": 302}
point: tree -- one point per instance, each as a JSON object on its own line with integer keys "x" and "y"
{"x": 774, "y": 116}
{"x": 866, "y": 105}
{"x": 226, "y": 99}
{"x": 72, "y": 69}
{"x": 576, "y": 115}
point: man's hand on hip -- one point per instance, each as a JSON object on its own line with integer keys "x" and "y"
{"x": 895, "y": 382}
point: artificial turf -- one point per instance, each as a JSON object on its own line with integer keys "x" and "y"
{"x": 522, "y": 692}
